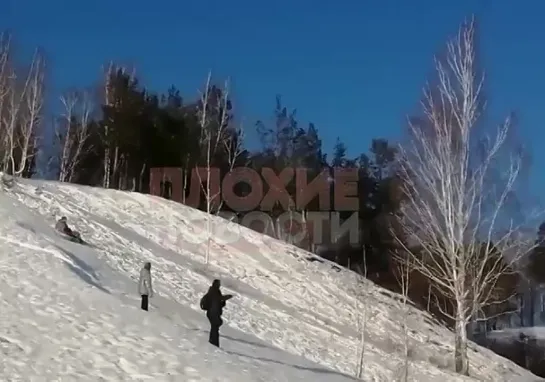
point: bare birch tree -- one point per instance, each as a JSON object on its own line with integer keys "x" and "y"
{"x": 363, "y": 316}
{"x": 403, "y": 274}
{"x": 5, "y": 42}
{"x": 108, "y": 101}
{"x": 213, "y": 122}
{"x": 361, "y": 321}
{"x": 74, "y": 133}
{"x": 21, "y": 103}
{"x": 113, "y": 160}
{"x": 458, "y": 187}
{"x": 234, "y": 147}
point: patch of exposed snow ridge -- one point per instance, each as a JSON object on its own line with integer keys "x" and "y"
{"x": 70, "y": 312}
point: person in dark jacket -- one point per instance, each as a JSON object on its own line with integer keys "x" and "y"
{"x": 214, "y": 302}
{"x": 144, "y": 285}
{"x": 62, "y": 227}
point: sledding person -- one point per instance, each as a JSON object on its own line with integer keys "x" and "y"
{"x": 214, "y": 302}
{"x": 62, "y": 227}
{"x": 144, "y": 285}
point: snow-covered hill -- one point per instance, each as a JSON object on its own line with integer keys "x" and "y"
{"x": 71, "y": 311}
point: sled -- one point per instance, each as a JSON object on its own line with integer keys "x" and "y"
{"x": 76, "y": 238}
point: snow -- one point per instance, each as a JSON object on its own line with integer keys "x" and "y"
{"x": 71, "y": 312}
{"x": 513, "y": 334}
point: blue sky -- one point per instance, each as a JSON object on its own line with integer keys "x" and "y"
{"x": 354, "y": 67}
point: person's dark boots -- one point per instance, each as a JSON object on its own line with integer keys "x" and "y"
{"x": 144, "y": 304}
{"x": 214, "y": 336}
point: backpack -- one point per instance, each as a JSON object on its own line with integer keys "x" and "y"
{"x": 204, "y": 302}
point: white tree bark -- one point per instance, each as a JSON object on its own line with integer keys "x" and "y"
{"x": 74, "y": 133}
{"x": 403, "y": 274}
{"x": 362, "y": 322}
{"x": 5, "y": 73}
{"x": 458, "y": 188}
{"x": 213, "y": 121}
{"x": 21, "y": 102}
{"x": 234, "y": 146}
{"x": 108, "y": 101}
{"x": 112, "y": 157}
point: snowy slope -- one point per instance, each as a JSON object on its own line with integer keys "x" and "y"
{"x": 71, "y": 311}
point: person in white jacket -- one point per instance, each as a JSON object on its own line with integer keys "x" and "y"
{"x": 144, "y": 285}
